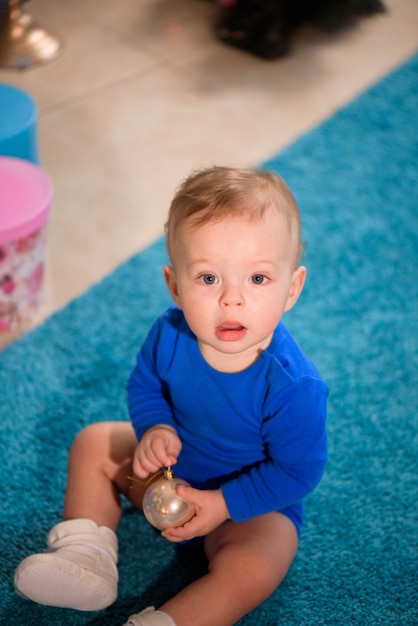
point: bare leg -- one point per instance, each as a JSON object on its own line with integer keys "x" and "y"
{"x": 79, "y": 570}
{"x": 98, "y": 468}
{"x": 247, "y": 562}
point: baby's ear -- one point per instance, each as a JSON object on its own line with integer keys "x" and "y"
{"x": 171, "y": 282}
{"x": 298, "y": 280}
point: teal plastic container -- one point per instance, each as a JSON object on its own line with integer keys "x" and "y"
{"x": 18, "y": 124}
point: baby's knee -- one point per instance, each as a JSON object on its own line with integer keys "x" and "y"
{"x": 91, "y": 438}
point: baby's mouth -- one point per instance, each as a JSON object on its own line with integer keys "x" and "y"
{"x": 230, "y": 331}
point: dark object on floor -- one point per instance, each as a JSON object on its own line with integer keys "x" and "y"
{"x": 266, "y": 27}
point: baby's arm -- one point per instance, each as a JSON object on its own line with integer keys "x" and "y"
{"x": 159, "y": 447}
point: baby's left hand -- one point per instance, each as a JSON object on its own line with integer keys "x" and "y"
{"x": 211, "y": 511}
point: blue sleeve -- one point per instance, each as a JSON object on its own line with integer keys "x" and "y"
{"x": 148, "y": 401}
{"x": 296, "y": 453}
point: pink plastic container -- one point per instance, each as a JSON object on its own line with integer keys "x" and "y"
{"x": 25, "y": 203}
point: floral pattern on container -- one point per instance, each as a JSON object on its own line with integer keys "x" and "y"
{"x": 22, "y": 264}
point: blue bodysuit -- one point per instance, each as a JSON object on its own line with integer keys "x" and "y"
{"x": 259, "y": 434}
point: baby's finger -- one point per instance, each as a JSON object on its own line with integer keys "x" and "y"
{"x": 145, "y": 463}
{"x": 161, "y": 454}
{"x": 190, "y": 530}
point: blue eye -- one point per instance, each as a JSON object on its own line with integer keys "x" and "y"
{"x": 208, "y": 279}
{"x": 258, "y": 279}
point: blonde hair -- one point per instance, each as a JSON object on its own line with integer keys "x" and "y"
{"x": 211, "y": 194}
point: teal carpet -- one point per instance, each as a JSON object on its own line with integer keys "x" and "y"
{"x": 356, "y": 180}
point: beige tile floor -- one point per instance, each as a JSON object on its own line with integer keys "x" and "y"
{"x": 143, "y": 92}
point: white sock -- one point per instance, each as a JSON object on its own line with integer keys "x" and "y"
{"x": 150, "y": 617}
{"x": 78, "y": 571}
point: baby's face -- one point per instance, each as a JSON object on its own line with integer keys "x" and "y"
{"x": 234, "y": 279}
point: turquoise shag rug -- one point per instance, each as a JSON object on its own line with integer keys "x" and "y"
{"x": 356, "y": 180}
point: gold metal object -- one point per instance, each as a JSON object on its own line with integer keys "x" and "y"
{"x": 22, "y": 41}
{"x": 168, "y": 473}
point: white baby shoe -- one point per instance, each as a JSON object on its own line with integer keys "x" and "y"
{"x": 78, "y": 571}
{"x": 150, "y": 617}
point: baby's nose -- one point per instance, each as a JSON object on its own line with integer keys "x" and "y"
{"x": 231, "y": 296}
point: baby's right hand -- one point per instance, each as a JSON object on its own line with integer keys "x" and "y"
{"x": 159, "y": 447}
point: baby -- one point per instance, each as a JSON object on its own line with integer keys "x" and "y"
{"x": 222, "y": 392}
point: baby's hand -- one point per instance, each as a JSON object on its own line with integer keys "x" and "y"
{"x": 211, "y": 511}
{"x": 159, "y": 447}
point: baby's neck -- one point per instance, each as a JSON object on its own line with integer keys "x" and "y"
{"x": 229, "y": 363}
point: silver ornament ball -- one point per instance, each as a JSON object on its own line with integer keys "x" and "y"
{"x": 162, "y": 507}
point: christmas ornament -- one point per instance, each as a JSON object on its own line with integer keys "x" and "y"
{"x": 162, "y": 506}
